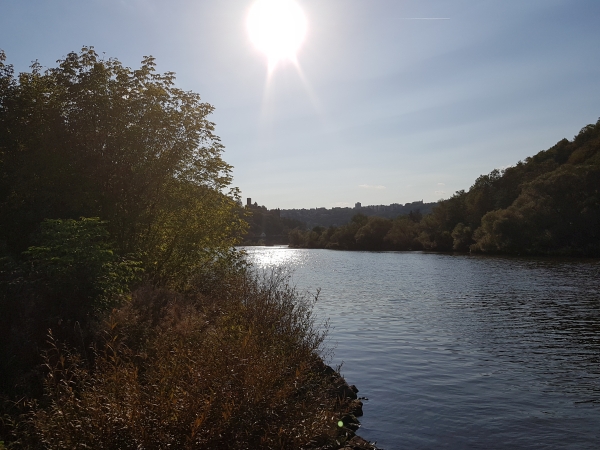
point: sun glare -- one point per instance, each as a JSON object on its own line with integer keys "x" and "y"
{"x": 277, "y": 28}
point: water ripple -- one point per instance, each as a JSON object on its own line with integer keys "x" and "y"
{"x": 462, "y": 352}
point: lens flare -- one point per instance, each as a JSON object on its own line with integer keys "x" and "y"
{"x": 277, "y": 28}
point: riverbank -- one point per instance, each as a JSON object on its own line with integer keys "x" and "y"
{"x": 235, "y": 363}
{"x": 349, "y": 423}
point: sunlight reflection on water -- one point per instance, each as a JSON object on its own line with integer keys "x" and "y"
{"x": 461, "y": 351}
{"x": 277, "y": 256}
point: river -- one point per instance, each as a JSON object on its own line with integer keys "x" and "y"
{"x": 460, "y": 352}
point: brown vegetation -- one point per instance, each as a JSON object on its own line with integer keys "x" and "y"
{"x": 237, "y": 370}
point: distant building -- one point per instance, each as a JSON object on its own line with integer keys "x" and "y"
{"x": 249, "y": 201}
{"x": 357, "y": 205}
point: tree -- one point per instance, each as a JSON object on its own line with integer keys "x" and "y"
{"x": 462, "y": 236}
{"x": 403, "y": 234}
{"x": 93, "y": 138}
{"x": 558, "y": 212}
{"x": 371, "y": 235}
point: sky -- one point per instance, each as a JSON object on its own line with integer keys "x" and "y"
{"x": 388, "y": 101}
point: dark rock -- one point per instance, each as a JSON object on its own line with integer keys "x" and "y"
{"x": 351, "y": 422}
{"x": 358, "y": 443}
{"x": 357, "y": 408}
{"x": 328, "y": 370}
{"x": 340, "y": 389}
{"x": 343, "y": 390}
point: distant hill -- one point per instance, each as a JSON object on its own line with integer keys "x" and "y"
{"x": 336, "y": 217}
{"x": 548, "y": 204}
{"x": 273, "y": 226}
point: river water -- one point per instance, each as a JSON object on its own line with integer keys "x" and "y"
{"x": 460, "y": 352}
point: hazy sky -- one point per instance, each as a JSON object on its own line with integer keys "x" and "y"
{"x": 385, "y": 106}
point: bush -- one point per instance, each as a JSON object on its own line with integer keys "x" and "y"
{"x": 75, "y": 260}
{"x": 241, "y": 370}
{"x": 67, "y": 282}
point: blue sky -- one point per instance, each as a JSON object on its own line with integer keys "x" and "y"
{"x": 385, "y": 108}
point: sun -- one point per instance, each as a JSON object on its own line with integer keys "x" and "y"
{"x": 277, "y": 28}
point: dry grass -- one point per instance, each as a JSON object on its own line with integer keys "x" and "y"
{"x": 235, "y": 369}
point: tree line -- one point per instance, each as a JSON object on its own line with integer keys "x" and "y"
{"x": 337, "y": 216}
{"x": 548, "y": 204}
{"x": 268, "y": 227}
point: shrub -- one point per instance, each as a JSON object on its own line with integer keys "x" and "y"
{"x": 75, "y": 260}
{"x": 240, "y": 370}
{"x": 67, "y": 282}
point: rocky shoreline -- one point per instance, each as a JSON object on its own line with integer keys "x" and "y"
{"x": 347, "y": 438}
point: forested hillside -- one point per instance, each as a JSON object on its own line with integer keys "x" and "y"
{"x": 547, "y": 204}
{"x": 337, "y": 216}
{"x": 282, "y": 227}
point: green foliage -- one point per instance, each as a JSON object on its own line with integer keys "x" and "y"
{"x": 404, "y": 232}
{"x": 371, "y": 235}
{"x": 558, "y": 212}
{"x": 92, "y": 138}
{"x": 362, "y": 233}
{"x": 199, "y": 228}
{"x": 344, "y": 237}
{"x": 296, "y": 238}
{"x": 548, "y": 204}
{"x": 75, "y": 259}
{"x": 99, "y": 162}
{"x": 462, "y": 237}
{"x": 431, "y": 237}
{"x": 67, "y": 282}
{"x": 359, "y": 219}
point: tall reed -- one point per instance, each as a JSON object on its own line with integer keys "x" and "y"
{"x": 239, "y": 367}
